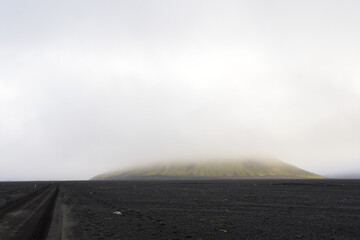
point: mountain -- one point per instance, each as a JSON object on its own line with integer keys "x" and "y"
{"x": 224, "y": 169}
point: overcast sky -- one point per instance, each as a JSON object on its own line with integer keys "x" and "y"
{"x": 91, "y": 86}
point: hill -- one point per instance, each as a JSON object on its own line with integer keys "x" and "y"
{"x": 235, "y": 169}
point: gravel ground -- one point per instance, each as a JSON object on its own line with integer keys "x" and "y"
{"x": 256, "y": 209}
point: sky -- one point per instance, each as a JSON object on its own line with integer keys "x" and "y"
{"x": 91, "y": 86}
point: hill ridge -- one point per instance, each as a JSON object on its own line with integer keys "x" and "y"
{"x": 225, "y": 169}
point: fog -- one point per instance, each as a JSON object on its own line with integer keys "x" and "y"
{"x": 92, "y": 86}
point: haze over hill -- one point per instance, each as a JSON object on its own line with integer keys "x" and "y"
{"x": 88, "y": 85}
{"x": 345, "y": 175}
{"x": 232, "y": 169}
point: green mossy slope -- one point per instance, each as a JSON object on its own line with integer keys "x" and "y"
{"x": 235, "y": 169}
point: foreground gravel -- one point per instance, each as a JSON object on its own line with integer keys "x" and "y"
{"x": 256, "y": 209}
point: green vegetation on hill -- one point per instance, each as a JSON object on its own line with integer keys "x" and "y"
{"x": 236, "y": 169}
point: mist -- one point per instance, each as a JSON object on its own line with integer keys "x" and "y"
{"x": 88, "y": 86}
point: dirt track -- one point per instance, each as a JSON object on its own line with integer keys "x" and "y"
{"x": 245, "y": 209}
{"x": 29, "y": 217}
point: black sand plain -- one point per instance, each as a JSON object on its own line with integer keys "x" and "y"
{"x": 204, "y": 209}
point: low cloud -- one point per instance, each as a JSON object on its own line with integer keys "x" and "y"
{"x": 171, "y": 80}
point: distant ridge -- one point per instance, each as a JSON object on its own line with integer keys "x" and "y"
{"x": 224, "y": 169}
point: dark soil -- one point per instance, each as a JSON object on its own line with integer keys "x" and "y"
{"x": 256, "y": 209}
{"x": 232, "y": 209}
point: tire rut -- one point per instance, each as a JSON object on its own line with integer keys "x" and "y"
{"x": 29, "y": 218}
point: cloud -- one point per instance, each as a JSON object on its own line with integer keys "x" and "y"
{"x": 87, "y": 87}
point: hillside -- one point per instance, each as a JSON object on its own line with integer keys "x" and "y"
{"x": 239, "y": 169}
